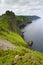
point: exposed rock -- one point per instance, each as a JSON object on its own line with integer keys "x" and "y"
{"x": 22, "y": 35}
{"x": 30, "y": 43}
{"x": 5, "y": 45}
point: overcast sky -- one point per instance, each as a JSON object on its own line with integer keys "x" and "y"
{"x": 22, "y": 7}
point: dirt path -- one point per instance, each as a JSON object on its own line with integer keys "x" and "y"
{"x": 4, "y": 44}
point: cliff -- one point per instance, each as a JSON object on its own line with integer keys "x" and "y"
{"x": 10, "y": 37}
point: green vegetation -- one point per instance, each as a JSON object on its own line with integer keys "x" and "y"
{"x": 23, "y": 20}
{"x": 21, "y": 55}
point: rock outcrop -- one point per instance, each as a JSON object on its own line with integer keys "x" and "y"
{"x": 30, "y": 43}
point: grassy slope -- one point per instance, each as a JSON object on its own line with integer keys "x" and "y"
{"x": 21, "y": 54}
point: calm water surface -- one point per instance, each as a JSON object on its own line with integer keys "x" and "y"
{"x": 34, "y": 32}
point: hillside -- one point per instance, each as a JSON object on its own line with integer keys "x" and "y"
{"x": 8, "y": 22}
{"x": 34, "y": 17}
{"x": 10, "y": 34}
{"x": 23, "y": 21}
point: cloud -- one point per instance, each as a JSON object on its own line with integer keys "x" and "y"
{"x": 23, "y": 2}
{"x": 21, "y": 7}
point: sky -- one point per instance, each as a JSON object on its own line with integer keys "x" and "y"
{"x": 22, "y": 7}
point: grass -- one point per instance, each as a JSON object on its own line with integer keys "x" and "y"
{"x": 22, "y": 56}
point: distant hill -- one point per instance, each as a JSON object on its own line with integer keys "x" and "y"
{"x": 33, "y": 17}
